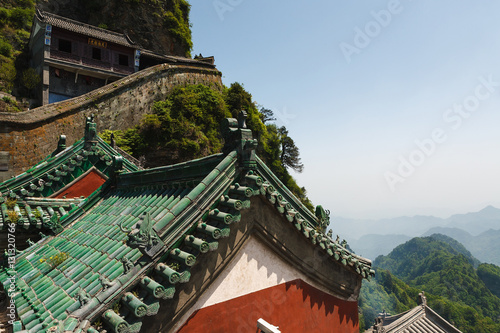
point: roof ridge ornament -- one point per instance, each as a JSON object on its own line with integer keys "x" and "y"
{"x": 237, "y": 136}
{"x": 422, "y": 300}
{"x": 61, "y": 144}
{"x": 54, "y": 224}
{"x": 82, "y": 296}
{"x": 323, "y": 217}
{"x": 106, "y": 283}
{"x": 128, "y": 265}
{"x": 90, "y": 132}
{"x": 143, "y": 236}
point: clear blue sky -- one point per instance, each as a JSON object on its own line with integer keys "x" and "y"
{"x": 394, "y": 105}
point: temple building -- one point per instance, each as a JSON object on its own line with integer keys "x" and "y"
{"x": 216, "y": 244}
{"x": 421, "y": 319}
{"x": 74, "y": 58}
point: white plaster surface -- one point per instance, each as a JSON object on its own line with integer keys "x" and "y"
{"x": 254, "y": 267}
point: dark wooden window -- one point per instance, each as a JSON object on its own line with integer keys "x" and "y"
{"x": 96, "y": 53}
{"x": 65, "y": 45}
{"x": 123, "y": 59}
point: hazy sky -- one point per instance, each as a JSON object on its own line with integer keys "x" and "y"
{"x": 394, "y": 105}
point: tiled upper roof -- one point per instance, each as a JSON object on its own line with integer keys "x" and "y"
{"x": 85, "y": 29}
{"x": 25, "y": 199}
{"x": 141, "y": 233}
{"x": 175, "y": 59}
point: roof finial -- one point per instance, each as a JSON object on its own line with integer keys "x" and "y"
{"x": 90, "y": 131}
{"x": 422, "y": 300}
{"x": 242, "y": 116}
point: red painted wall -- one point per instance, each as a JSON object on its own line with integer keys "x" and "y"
{"x": 295, "y": 307}
{"x": 84, "y": 186}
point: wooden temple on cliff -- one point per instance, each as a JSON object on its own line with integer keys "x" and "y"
{"x": 216, "y": 244}
{"x": 74, "y": 58}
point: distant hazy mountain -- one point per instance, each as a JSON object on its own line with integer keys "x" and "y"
{"x": 371, "y": 246}
{"x": 479, "y": 232}
{"x": 485, "y": 246}
{"x": 474, "y": 223}
{"x": 460, "y": 235}
{"x": 352, "y": 229}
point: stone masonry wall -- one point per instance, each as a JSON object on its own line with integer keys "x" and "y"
{"x": 30, "y": 136}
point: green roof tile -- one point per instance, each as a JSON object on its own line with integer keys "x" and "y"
{"x": 175, "y": 198}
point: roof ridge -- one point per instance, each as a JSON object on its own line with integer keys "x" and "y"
{"x": 409, "y": 316}
{"x": 44, "y": 14}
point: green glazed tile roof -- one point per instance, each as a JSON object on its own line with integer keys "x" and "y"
{"x": 25, "y": 200}
{"x": 55, "y": 172}
{"x": 93, "y": 251}
{"x": 128, "y": 245}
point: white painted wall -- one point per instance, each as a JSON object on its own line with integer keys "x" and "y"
{"x": 254, "y": 267}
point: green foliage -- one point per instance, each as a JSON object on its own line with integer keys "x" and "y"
{"x": 187, "y": 121}
{"x": 116, "y": 307}
{"x": 416, "y": 257}
{"x": 385, "y": 293}
{"x": 187, "y": 125}
{"x": 457, "y": 246}
{"x": 8, "y": 104}
{"x": 13, "y": 217}
{"x": 11, "y": 202}
{"x": 238, "y": 99}
{"x": 20, "y": 18}
{"x": 271, "y": 139}
{"x": 56, "y": 259}
{"x": 15, "y": 24}
{"x": 454, "y": 289}
{"x": 5, "y": 48}
{"x": 7, "y": 73}
{"x": 490, "y": 275}
{"x": 97, "y": 324}
{"x": 174, "y": 265}
{"x": 177, "y": 21}
{"x": 289, "y": 151}
{"x": 30, "y": 78}
{"x": 4, "y": 16}
{"x": 121, "y": 140}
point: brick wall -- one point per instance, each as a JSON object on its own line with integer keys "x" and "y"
{"x": 30, "y": 136}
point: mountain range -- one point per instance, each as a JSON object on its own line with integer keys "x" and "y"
{"x": 460, "y": 288}
{"x": 478, "y": 231}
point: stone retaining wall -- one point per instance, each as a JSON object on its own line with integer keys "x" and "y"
{"x": 28, "y": 137}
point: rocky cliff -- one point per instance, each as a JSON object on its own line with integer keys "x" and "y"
{"x": 158, "y": 25}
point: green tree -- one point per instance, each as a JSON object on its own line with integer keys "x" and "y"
{"x": 7, "y": 74}
{"x": 15, "y": 23}
{"x": 289, "y": 151}
{"x": 30, "y": 79}
{"x": 266, "y": 115}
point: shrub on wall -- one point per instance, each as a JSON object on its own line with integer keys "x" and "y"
{"x": 15, "y": 24}
{"x": 187, "y": 125}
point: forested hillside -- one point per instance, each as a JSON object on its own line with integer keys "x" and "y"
{"x": 187, "y": 125}
{"x": 461, "y": 294}
{"x": 15, "y": 23}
